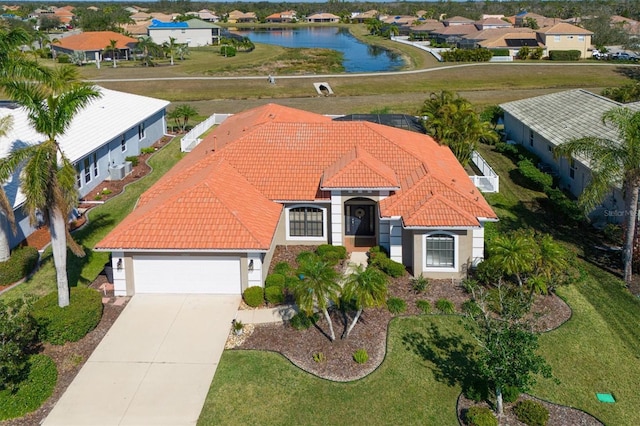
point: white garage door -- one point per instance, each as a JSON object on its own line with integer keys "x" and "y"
{"x": 187, "y": 274}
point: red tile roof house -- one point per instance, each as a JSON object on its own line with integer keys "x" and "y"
{"x": 94, "y": 45}
{"x": 275, "y": 175}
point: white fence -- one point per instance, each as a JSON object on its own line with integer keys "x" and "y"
{"x": 421, "y": 45}
{"x": 489, "y": 181}
{"x": 192, "y": 139}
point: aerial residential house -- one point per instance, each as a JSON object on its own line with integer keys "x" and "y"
{"x": 140, "y": 16}
{"x": 509, "y": 38}
{"x": 193, "y": 32}
{"x": 457, "y": 20}
{"x": 320, "y": 18}
{"x": 237, "y": 16}
{"x": 92, "y": 45}
{"x": 205, "y": 15}
{"x": 97, "y": 142}
{"x": 362, "y": 17}
{"x": 426, "y": 27}
{"x": 492, "y": 23}
{"x": 282, "y": 17}
{"x": 274, "y": 176}
{"x": 453, "y": 34}
{"x": 523, "y": 19}
{"x": 563, "y": 36}
{"x": 544, "y": 122}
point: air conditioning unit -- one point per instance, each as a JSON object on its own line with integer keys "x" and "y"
{"x": 128, "y": 167}
{"x": 116, "y": 172}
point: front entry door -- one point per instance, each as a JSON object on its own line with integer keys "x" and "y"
{"x": 360, "y": 219}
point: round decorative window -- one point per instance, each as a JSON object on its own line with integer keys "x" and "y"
{"x": 359, "y": 212}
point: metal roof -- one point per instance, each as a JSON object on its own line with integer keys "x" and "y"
{"x": 100, "y": 122}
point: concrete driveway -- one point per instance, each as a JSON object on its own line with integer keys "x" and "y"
{"x": 154, "y": 366}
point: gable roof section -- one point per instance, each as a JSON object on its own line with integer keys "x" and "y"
{"x": 358, "y": 169}
{"x": 95, "y": 40}
{"x": 564, "y": 28}
{"x": 200, "y": 212}
{"x": 562, "y": 116}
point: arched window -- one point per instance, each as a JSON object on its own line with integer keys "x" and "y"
{"x": 306, "y": 222}
{"x": 441, "y": 251}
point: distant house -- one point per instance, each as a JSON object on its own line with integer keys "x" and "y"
{"x": 237, "y": 16}
{"x": 362, "y": 17}
{"x": 93, "y": 43}
{"x": 205, "y": 15}
{"x": 523, "y": 18}
{"x": 101, "y": 136}
{"x": 563, "y": 36}
{"x": 274, "y": 176}
{"x": 457, "y": 20}
{"x": 544, "y": 122}
{"x": 492, "y": 23}
{"x": 193, "y": 32}
{"x": 322, "y": 18}
{"x": 282, "y": 17}
{"x": 512, "y": 39}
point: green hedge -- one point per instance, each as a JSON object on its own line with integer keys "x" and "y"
{"x": 379, "y": 259}
{"x": 535, "y": 178}
{"x": 467, "y": 55}
{"x": 22, "y": 261}
{"x": 501, "y": 52}
{"x": 274, "y": 280}
{"x": 70, "y": 324}
{"x": 228, "y": 51}
{"x": 253, "y": 296}
{"x": 564, "y": 55}
{"x": 274, "y": 295}
{"x": 302, "y": 321}
{"x": 33, "y": 391}
{"x": 531, "y": 413}
{"x": 480, "y": 416}
{"x": 331, "y": 254}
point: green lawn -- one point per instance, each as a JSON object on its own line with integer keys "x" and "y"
{"x": 597, "y": 350}
{"x": 101, "y": 220}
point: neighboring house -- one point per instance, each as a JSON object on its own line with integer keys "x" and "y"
{"x": 93, "y": 44}
{"x": 454, "y": 33}
{"x": 279, "y": 17}
{"x": 523, "y": 18}
{"x": 426, "y": 27}
{"x": 237, "y": 16}
{"x": 502, "y": 38}
{"x": 322, "y": 18}
{"x": 273, "y": 176}
{"x": 563, "y": 36}
{"x": 205, "y": 15}
{"x": 457, "y": 20}
{"x": 100, "y": 137}
{"x": 492, "y": 23}
{"x": 543, "y": 122}
{"x": 193, "y": 33}
{"x": 362, "y": 17}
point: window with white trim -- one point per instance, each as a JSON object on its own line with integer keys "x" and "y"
{"x": 95, "y": 164}
{"x": 572, "y": 168}
{"x": 306, "y": 222}
{"x": 78, "y": 176}
{"x": 556, "y": 38}
{"x": 123, "y": 144}
{"x": 440, "y": 251}
{"x": 87, "y": 170}
{"x": 531, "y": 134}
{"x": 141, "y": 130}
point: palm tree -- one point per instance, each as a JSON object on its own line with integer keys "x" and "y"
{"x": 452, "y": 121}
{"x": 170, "y": 47}
{"x": 182, "y": 50}
{"x": 184, "y": 113}
{"x": 149, "y": 50}
{"x": 318, "y": 286}
{"x": 6, "y": 209}
{"x": 48, "y": 179}
{"x": 367, "y": 288}
{"x": 613, "y": 163}
{"x": 113, "y": 48}
{"x": 513, "y": 254}
{"x": 14, "y": 64}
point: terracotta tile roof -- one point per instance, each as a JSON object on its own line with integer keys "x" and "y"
{"x": 254, "y": 159}
{"x": 564, "y": 28}
{"x": 205, "y": 208}
{"x": 95, "y": 40}
{"x": 359, "y": 169}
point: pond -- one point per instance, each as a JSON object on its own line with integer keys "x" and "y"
{"x": 358, "y": 56}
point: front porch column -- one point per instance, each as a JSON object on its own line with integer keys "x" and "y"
{"x": 254, "y": 270}
{"x": 336, "y": 219}
{"x": 395, "y": 239}
{"x": 477, "y": 248}
{"x": 119, "y": 273}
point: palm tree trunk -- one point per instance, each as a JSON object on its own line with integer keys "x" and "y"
{"x": 5, "y": 251}
{"x": 57, "y": 227}
{"x": 631, "y": 201}
{"x": 353, "y": 323}
{"x": 499, "y": 408}
{"x": 328, "y": 318}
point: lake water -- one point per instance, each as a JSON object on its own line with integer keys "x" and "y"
{"x": 358, "y": 56}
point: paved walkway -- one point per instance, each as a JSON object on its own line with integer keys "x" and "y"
{"x": 154, "y": 366}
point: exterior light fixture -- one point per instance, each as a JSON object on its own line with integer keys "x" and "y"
{"x": 119, "y": 265}
{"x": 251, "y": 265}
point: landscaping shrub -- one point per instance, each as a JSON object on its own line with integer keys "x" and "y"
{"x": 477, "y": 391}
{"x": 361, "y": 356}
{"x": 276, "y": 280}
{"x": 282, "y": 268}
{"x": 60, "y": 325}
{"x": 535, "y": 178}
{"x": 332, "y": 254}
{"x": 531, "y": 413}
{"x": 394, "y": 269}
{"x": 305, "y": 256}
{"x": 22, "y": 261}
{"x": 516, "y": 152}
{"x": 480, "y": 416}
{"x": 319, "y": 357}
{"x": 445, "y": 306}
{"x": 302, "y": 321}
{"x": 487, "y": 273}
{"x": 563, "y": 205}
{"x": 424, "y": 306}
{"x": 228, "y": 51}
{"x": 291, "y": 281}
{"x": 510, "y": 394}
{"x": 133, "y": 159}
{"x": 396, "y": 305}
{"x": 419, "y": 284}
{"x": 18, "y": 333}
{"x": 253, "y": 296}
{"x": 64, "y": 59}
{"x": 564, "y": 55}
{"x": 470, "y": 285}
{"x": 31, "y": 393}
{"x": 501, "y": 52}
{"x": 467, "y": 55}
{"x": 274, "y": 295}
{"x": 147, "y": 150}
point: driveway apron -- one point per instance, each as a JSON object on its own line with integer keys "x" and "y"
{"x": 154, "y": 366}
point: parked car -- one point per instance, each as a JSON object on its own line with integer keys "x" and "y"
{"x": 624, "y": 56}
{"x": 596, "y": 54}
